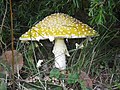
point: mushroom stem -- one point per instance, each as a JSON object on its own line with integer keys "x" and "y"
{"x": 60, "y": 50}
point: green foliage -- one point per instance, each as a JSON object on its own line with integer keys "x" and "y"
{"x": 3, "y": 85}
{"x": 117, "y": 85}
{"x": 102, "y": 11}
{"x": 55, "y": 73}
{"x": 73, "y": 78}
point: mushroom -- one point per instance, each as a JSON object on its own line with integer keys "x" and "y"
{"x": 56, "y": 27}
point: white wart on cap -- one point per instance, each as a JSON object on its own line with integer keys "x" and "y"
{"x": 58, "y": 25}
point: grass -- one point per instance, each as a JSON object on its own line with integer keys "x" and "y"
{"x": 96, "y": 58}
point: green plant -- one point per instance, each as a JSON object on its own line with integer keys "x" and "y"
{"x": 3, "y": 85}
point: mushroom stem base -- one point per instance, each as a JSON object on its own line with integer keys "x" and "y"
{"x": 60, "y": 50}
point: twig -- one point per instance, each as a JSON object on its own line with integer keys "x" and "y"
{"x": 12, "y": 41}
{"x": 3, "y": 20}
{"x": 111, "y": 79}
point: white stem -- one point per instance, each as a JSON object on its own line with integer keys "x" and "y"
{"x": 60, "y": 50}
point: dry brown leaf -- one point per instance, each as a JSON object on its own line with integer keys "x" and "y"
{"x": 86, "y": 79}
{"x": 6, "y": 59}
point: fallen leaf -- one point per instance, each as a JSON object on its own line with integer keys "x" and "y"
{"x": 87, "y": 81}
{"x": 6, "y": 61}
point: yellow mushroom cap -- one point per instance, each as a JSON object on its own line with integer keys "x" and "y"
{"x": 59, "y": 25}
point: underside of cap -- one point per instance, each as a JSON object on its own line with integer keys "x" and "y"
{"x": 59, "y": 25}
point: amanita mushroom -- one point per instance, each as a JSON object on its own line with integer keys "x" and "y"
{"x": 57, "y": 27}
